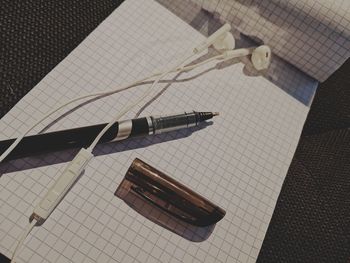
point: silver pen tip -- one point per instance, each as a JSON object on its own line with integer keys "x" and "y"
{"x": 216, "y": 114}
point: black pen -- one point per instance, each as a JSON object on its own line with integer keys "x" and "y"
{"x": 83, "y": 136}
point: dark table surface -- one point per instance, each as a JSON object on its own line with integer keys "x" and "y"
{"x": 311, "y": 222}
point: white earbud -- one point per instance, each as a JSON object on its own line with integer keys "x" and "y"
{"x": 223, "y": 41}
{"x": 227, "y": 42}
{"x": 261, "y": 56}
{"x": 219, "y": 36}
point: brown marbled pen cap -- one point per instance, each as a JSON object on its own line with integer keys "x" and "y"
{"x": 169, "y": 195}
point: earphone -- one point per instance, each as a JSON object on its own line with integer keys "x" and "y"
{"x": 261, "y": 56}
{"x": 74, "y": 169}
{"x": 222, "y": 40}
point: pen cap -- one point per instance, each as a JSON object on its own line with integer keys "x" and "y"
{"x": 169, "y": 195}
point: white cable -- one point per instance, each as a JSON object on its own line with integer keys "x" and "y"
{"x": 102, "y": 93}
{"x": 25, "y": 233}
{"x": 57, "y": 192}
{"x": 31, "y": 225}
{"x": 144, "y": 95}
{"x": 71, "y": 173}
{"x": 17, "y": 141}
{"x": 190, "y": 67}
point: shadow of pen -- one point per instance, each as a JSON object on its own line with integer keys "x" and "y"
{"x": 101, "y": 149}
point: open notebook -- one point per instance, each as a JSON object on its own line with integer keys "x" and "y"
{"x": 239, "y": 162}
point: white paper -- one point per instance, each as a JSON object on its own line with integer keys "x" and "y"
{"x": 239, "y": 162}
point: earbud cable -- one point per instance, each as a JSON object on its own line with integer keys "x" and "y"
{"x": 31, "y": 225}
{"x": 129, "y": 107}
{"x": 178, "y": 68}
{"x": 102, "y": 93}
{"x": 25, "y": 233}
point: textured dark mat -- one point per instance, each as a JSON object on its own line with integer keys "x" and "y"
{"x": 311, "y": 220}
{"x": 36, "y": 35}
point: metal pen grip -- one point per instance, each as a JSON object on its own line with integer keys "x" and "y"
{"x": 174, "y": 122}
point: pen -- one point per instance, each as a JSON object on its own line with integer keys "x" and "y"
{"x": 83, "y": 136}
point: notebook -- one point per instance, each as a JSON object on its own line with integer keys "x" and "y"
{"x": 238, "y": 161}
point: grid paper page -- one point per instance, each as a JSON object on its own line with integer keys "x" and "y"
{"x": 312, "y": 35}
{"x": 239, "y": 162}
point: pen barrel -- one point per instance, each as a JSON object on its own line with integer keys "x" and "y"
{"x": 57, "y": 141}
{"x": 74, "y": 138}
